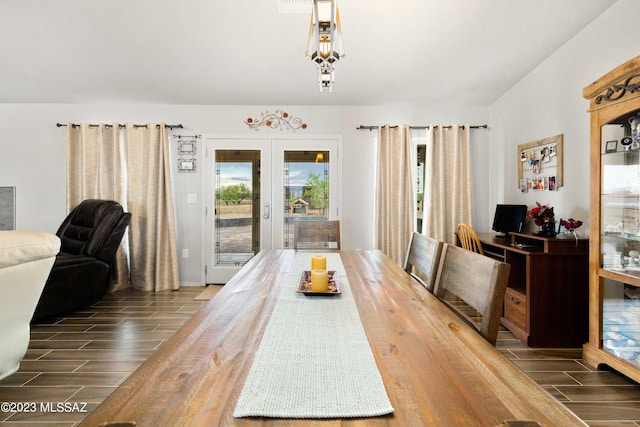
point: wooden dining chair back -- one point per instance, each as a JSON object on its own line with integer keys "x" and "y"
{"x": 316, "y": 235}
{"x": 469, "y": 238}
{"x": 473, "y": 286}
{"x": 422, "y": 259}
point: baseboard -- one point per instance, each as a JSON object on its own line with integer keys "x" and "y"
{"x": 190, "y": 284}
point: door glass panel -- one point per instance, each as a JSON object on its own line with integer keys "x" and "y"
{"x": 306, "y": 189}
{"x": 420, "y": 187}
{"x": 237, "y": 202}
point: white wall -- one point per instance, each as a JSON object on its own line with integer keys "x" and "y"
{"x": 32, "y": 157}
{"x": 546, "y": 102}
{"x": 549, "y": 102}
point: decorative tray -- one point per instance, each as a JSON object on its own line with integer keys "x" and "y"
{"x": 304, "y": 287}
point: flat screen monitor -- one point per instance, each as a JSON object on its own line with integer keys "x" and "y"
{"x": 509, "y": 218}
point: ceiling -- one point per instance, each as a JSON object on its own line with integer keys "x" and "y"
{"x": 460, "y": 52}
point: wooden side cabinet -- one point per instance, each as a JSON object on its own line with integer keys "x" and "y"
{"x": 546, "y": 302}
{"x": 614, "y": 253}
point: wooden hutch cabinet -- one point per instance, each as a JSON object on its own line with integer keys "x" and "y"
{"x": 614, "y": 250}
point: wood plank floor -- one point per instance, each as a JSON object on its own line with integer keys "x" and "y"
{"x": 82, "y": 358}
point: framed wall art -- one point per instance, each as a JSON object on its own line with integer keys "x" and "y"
{"x": 540, "y": 164}
{"x": 7, "y": 208}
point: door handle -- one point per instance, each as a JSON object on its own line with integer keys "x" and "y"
{"x": 266, "y": 211}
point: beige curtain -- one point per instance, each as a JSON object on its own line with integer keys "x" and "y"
{"x": 154, "y": 262}
{"x": 95, "y": 171}
{"x": 130, "y": 166}
{"x": 395, "y": 194}
{"x": 448, "y": 169}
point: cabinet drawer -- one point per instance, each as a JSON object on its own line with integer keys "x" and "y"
{"x": 515, "y": 308}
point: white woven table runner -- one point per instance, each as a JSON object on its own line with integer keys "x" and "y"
{"x": 314, "y": 360}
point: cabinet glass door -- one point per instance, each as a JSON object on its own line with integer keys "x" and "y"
{"x": 621, "y": 320}
{"x": 620, "y": 198}
{"x": 620, "y": 239}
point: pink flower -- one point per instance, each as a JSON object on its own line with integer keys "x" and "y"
{"x": 570, "y": 224}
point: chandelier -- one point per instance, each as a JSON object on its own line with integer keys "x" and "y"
{"x": 325, "y": 40}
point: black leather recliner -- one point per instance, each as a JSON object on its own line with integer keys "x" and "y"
{"x": 90, "y": 236}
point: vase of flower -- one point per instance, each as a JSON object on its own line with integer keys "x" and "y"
{"x": 544, "y": 218}
{"x": 571, "y": 226}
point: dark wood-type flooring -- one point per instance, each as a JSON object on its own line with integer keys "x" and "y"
{"x": 75, "y": 362}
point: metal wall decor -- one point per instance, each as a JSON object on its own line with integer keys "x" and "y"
{"x": 187, "y": 152}
{"x": 279, "y": 119}
{"x": 617, "y": 91}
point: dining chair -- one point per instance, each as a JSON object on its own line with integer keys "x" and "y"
{"x": 469, "y": 238}
{"x": 422, "y": 259}
{"x": 316, "y": 235}
{"x": 472, "y": 284}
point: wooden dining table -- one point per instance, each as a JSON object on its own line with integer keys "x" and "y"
{"x": 437, "y": 370}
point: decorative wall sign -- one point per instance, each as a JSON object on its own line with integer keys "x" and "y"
{"x": 278, "y": 120}
{"x": 540, "y": 164}
{"x": 187, "y": 165}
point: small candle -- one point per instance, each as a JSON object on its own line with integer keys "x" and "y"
{"x": 318, "y": 262}
{"x": 319, "y": 280}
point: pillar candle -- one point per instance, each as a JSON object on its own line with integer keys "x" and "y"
{"x": 319, "y": 280}
{"x": 318, "y": 262}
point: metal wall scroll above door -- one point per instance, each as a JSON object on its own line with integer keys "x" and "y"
{"x": 280, "y": 119}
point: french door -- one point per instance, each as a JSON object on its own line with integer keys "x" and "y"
{"x": 238, "y": 197}
{"x": 257, "y": 188}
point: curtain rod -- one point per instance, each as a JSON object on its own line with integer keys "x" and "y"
{"x": 178, "y": 126}
{"x": 361, "y": 127}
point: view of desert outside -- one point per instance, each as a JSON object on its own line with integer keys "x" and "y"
{"x": 305, "y": 196}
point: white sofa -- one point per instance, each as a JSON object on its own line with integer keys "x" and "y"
{"x": 26, "y": 258}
